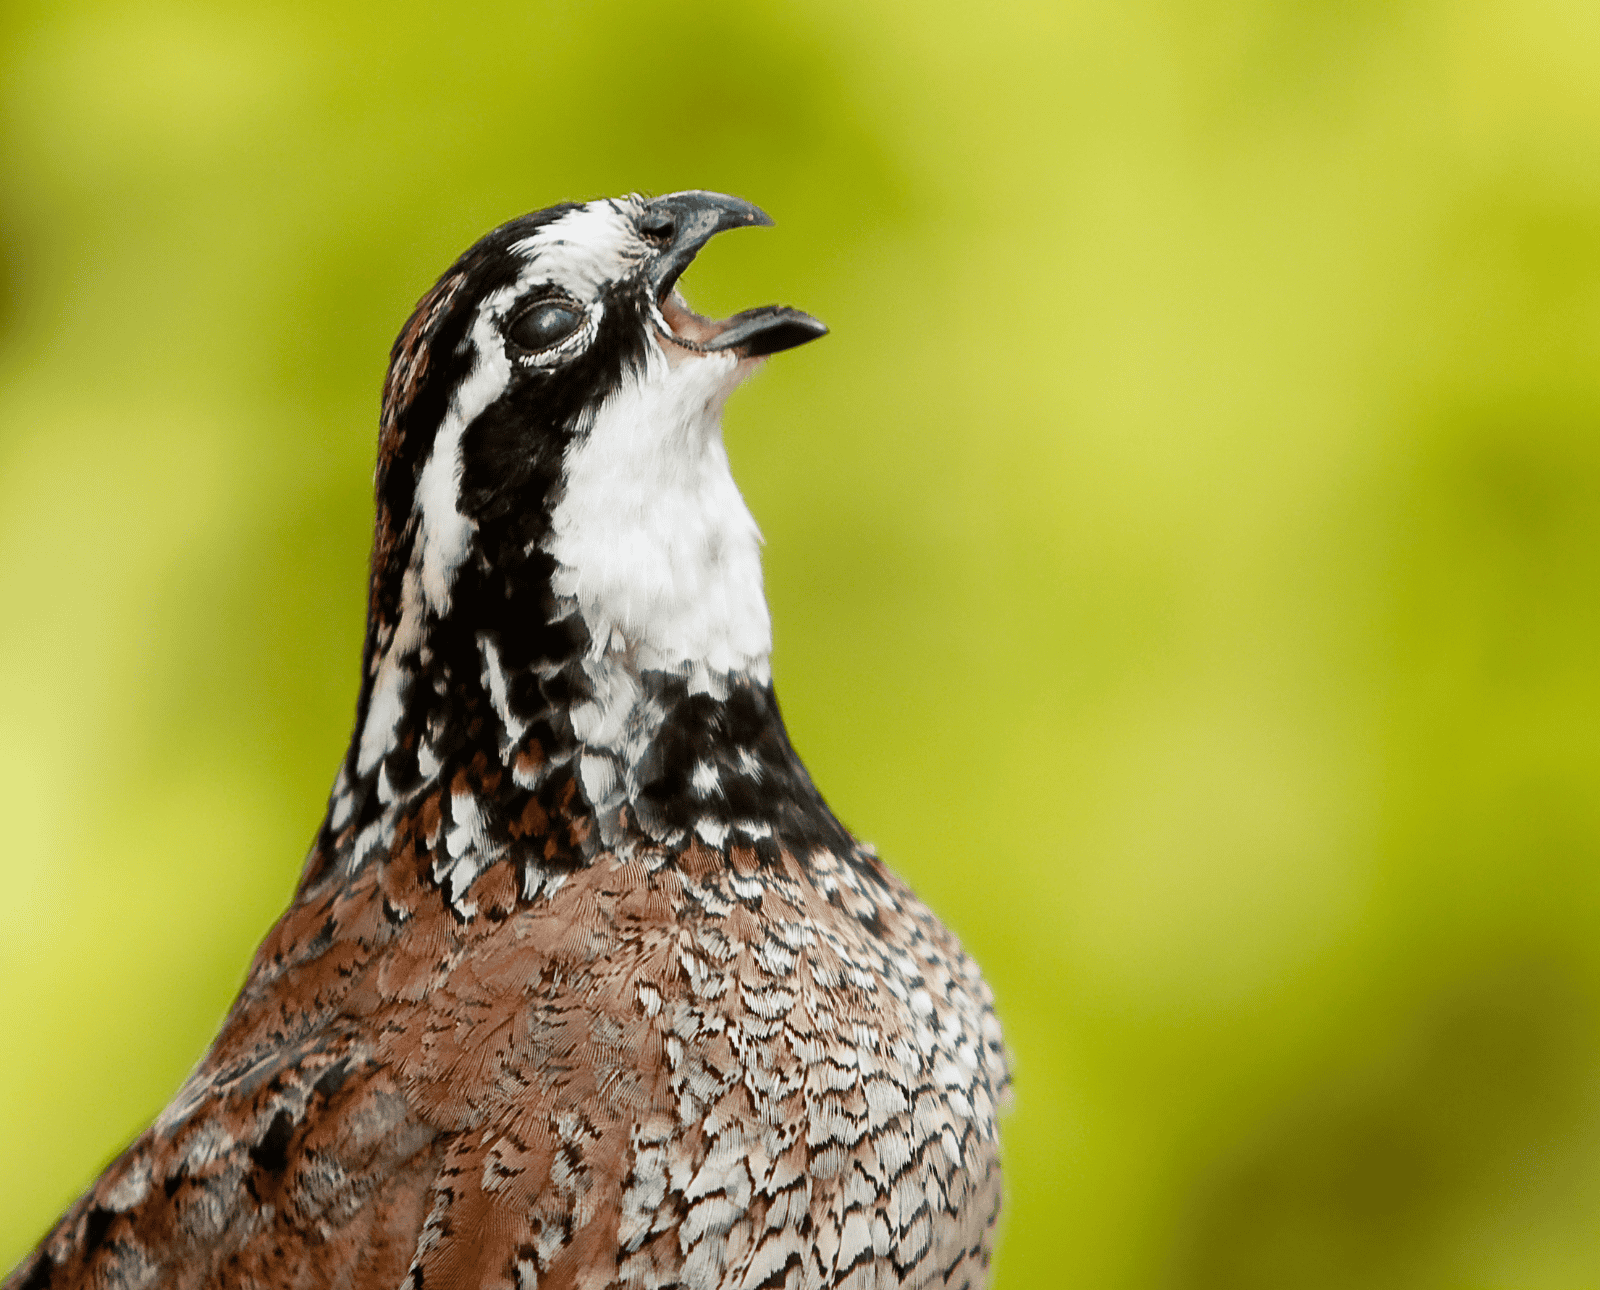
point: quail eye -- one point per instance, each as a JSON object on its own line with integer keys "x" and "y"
{"x": 545, "y": 324}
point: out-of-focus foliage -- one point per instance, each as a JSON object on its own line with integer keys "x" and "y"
{"x": 1185, "y": 552}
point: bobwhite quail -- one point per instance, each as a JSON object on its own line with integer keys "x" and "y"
{"x": 583, "y": 984}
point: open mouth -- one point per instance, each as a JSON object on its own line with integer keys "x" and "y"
{"x": 754, "y": 333}
{"x": 682, "y": 223}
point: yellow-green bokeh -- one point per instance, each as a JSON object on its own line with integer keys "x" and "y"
{"x": 1184, "y": 553}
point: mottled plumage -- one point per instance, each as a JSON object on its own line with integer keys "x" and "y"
{"x": 583, "y": 985}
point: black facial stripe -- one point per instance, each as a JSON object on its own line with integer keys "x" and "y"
{"x": 488, "y": 266}
{"x": 511, "y": 453}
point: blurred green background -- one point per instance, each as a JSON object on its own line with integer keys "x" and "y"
{"x": 1184, "y": 552}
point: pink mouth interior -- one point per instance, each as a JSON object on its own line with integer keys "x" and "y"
{"x": 686, "y": 325}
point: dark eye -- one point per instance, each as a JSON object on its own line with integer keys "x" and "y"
{"x": 545, "y": 324}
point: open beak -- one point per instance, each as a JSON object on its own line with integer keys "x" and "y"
{"x": 681, "y": 223}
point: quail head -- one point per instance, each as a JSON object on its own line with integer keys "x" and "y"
{"x": 583, "y": 984}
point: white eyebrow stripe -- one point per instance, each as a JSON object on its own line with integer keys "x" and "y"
{"x": 589, "y": 247}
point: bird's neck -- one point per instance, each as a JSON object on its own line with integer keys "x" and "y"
{"x": 604, "y": 690}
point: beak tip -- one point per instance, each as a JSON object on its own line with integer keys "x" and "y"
{"x": 755, "y": 333}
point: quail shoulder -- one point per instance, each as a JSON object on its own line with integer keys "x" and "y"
{"x": 583, "y": 984}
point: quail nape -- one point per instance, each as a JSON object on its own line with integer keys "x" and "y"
{"x": 583, "y": 984}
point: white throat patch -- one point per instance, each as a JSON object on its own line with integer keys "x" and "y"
{"x": 651, "y": 536}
